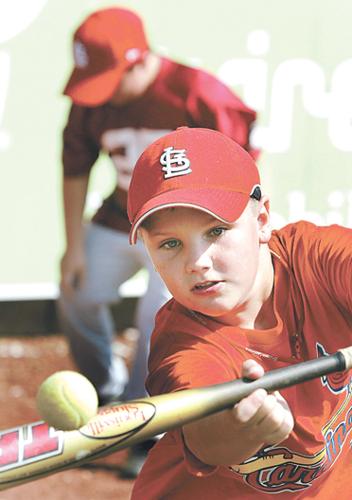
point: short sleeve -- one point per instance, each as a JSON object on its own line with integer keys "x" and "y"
{"x": 79, "y": 150}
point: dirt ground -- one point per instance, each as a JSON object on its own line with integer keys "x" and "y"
{"x": 25, "y": 362}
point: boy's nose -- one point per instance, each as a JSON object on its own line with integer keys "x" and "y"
{"x": 198, "y": 259}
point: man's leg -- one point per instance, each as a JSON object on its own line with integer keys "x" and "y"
{"x": 148, "y": 305}
{"x": 86, "y": 318}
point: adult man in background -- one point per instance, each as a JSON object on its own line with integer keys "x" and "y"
{"x": 124, "y": 96}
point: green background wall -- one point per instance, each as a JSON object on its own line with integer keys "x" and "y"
{"x": 289, "y": 60}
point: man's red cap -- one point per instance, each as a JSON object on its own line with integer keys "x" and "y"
{"x": 192, "y": 167}
{"x": 107, "y": 43}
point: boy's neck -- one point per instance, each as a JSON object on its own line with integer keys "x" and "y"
{"x": 259, "y": 313}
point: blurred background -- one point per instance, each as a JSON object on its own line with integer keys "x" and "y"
{"x": 291, "y": 61}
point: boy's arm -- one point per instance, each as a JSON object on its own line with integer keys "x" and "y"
{"x": 232, "y": 436}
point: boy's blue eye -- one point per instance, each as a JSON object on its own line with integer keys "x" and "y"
{"x": 217, "y": 231}
{"x": 170, "y": 244}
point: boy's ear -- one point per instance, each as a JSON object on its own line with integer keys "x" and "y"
{"x": 264, "y": 220}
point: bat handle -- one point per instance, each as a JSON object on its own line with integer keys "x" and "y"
{"x": 347, "y": 354}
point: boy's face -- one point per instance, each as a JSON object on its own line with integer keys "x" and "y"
{"x": 209, "y": 266}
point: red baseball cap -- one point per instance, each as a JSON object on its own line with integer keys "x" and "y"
{"x": 107, "y": 43}
{"x": 192, "y": 167}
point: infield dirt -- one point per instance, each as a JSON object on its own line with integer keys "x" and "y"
{"x": 25, "y": 362}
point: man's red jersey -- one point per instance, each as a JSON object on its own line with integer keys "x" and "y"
{"x": 180, "y": 95}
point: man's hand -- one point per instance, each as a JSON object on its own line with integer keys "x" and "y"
{"x": 73, "y": 270}
{"x": 73, "y": 263}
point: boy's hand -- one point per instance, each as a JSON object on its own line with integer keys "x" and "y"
{"x": 232, "y": 436}
{"x": 262, "y": 417}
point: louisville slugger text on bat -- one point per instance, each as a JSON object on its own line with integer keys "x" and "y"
{"x": 36, "y": 450}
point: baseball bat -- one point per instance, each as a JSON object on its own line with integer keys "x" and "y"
{"x": 36, "y": 450}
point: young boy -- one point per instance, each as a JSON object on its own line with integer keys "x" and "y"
{"x": 245, "y": 300}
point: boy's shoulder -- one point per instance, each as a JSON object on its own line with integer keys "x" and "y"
{"x": 305, "y": 245}
{"x": 305, "y": 234}
{"x": 184, "y": 71}
{"x": 199, "y": 84}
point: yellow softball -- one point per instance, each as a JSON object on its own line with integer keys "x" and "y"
{"x": 67, "y": 400}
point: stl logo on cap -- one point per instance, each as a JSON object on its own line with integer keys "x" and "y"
{"x": 175, "y": 162}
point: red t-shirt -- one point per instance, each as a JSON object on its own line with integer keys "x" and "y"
{"x": 180, "y": 95}
{"x": 312, "y": 306}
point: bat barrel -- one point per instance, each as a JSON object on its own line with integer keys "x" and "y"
{"x": 177, "y": 409}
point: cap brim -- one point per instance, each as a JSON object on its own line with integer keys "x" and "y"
{"x": 92, "y": 90}
{"x": 227, "y": 206}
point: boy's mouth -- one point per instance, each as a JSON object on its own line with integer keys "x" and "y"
{"x": 204, "y": 285}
